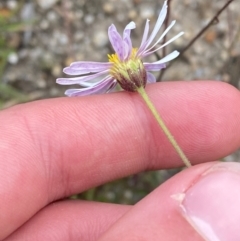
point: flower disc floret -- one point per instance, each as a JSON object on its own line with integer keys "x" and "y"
{"x": 129, "y": 73}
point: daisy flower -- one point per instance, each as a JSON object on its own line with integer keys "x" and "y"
{"x": 125, "y": 66}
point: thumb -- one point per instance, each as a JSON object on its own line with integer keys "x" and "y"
{"x": 211, "y": 205}
{"x": 200, "y": 203}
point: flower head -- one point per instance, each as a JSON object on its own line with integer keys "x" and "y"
{"x": 125, "y": 66}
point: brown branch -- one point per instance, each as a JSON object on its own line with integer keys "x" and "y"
{"x": 202, "y": 31}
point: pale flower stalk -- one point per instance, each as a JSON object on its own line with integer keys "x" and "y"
{"x": 126, "y": 68}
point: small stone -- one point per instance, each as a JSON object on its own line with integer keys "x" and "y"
{"x": 68, "y": 61}
{"x": 128, "y": 194}
{"x": 56, "y": 70}
{"x": 210, "y": 36}
{"x": 147, "y": 11}
{"x": 54, "y": 91}
{"x": 89, "y": 19}
{"x": 28, "y": 11}
{"x": 13, "y": 58}
{"x": 108, "y": 8}
{"x": 46, "y": 4}
{"x": 52, "y": 16}
{"x": 47, "y": 59}
{"x": 41, "y": 83}
{"x": 44, "y": 24}
{"x": 63, "y": 40}
{"x": 132, "y": 14}
{"x": 61, "y": 37}
{"x": 226, "y": 78}
{"x": 12, "y": 4}
{"x": 110, "y": 195}
{"x": 100, "y": 39}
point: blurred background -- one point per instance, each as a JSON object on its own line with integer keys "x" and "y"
{"x": 38, "y": 38}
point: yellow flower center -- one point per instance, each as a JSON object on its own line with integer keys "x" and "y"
{"x": 114, "y": 57}
{"x": 119, "y": 66}
{"x": 129, "y": 73}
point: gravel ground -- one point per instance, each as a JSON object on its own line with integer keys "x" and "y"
{"x": 51, "y": 34}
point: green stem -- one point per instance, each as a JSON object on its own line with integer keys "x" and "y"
{"x": 161, "y": 123}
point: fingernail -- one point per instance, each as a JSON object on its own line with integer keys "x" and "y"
{"x": 212, "y": 204}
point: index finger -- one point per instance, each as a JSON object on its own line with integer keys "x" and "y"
{"x": 54, "y": 148}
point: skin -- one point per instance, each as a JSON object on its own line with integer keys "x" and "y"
{"x": 51, "y": 149}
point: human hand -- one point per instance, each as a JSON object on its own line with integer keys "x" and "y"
{"x": 52, "y": 149}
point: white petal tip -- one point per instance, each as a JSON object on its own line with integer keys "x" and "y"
{"x": 176, "y": 53}
{"x": 132, "y": 24}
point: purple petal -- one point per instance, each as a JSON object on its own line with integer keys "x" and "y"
{"x": 70, "y": 71}
{"x": 99, "y": 88}
{"x": 145, "y": 34}
{"x": 154, "y": 66}
{"x": 77, "y": 80}
{"x": 79, "y": 68}
{"x": 158, "y": 25}
{"x": 116, "y": 41}
{"x": 127, "y": 48}
{"x": 150, "y": 78}
{"x": 84, "y": 67}
{"x": 127, "y": 40}
{"x": 90, "y": 66}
